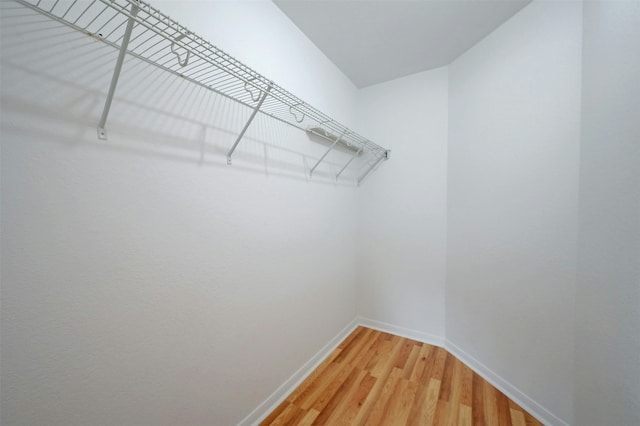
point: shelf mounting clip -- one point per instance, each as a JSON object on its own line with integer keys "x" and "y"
{"x": 182, "y": 62}
{"x": 292, "y": 111}
{"x": 102, "y": 132}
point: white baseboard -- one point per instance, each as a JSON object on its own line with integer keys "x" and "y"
{"x": 276, "y": 398}
{"x": 401, "y": 331}
{"x": 504, "y": 386}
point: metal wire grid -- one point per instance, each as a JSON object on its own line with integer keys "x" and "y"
{"x": 163, "y": 42}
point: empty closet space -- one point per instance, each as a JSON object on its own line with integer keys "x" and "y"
{"x": 310, "y": 212}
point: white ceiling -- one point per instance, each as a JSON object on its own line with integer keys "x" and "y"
{"x": 376, "y": 41}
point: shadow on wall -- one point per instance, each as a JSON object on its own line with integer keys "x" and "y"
{"x": 60, "y": 77}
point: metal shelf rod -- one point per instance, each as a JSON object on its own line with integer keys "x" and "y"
{"x": 102, "y": 133}
{"x": 353, "y": 157}
{"x": 327, "y": 153}
{"x": 246, "y": 126}
{"x": 370, "y": 169}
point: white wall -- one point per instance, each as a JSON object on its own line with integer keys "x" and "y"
{"x": 143, "y": 280}
{"x": 402, "y": 206}
{"x": 514, "y": 121}
{"x": 607, "y": 366}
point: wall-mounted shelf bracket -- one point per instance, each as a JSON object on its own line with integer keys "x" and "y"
{"x": 384, "y": 156}
{"x": 138, "y": 30}
{"x": 246, "y": 126}
{"x": 327, "y": 152}
{"x": 353, "y": 157}
{"x": 102, "y": 132}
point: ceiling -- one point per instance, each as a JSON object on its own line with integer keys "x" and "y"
{"x": 375, "y": 41}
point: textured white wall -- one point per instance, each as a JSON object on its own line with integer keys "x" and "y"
{"x": 402, "y": 219}
{"x": 143, "y": 280}
{"x": 607, "y": 367}
{"x": 514, "y": 122}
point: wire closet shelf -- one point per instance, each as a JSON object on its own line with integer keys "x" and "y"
{"x": 137, "y": 29}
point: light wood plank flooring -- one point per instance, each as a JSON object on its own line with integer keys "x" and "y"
{"x": 375, "y": 378}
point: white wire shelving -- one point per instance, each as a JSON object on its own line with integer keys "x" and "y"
{"x": 137, "y": 29}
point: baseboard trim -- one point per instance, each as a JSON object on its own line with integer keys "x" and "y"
{"x": 401, "y": 331}
{"x": 276, "y": 398}
{"x": 504, "y": 386}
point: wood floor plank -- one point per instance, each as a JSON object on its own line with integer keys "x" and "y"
{"x": 401, "y": 360}
{"x": 388, "y": 336}
{"x": 530, "y": 420}
{"x": 456, "y": 392}
{"x": 477, "y": 406}
{"x": 447, "y": 377}
{"x": 324, "y": 384}
{"x": 514, "y": 406}
{"x": 333, "y": 400}
{"x": 343, "y": 398}
{"x": 464, "y": 415}
{"x": 426, "y": 351}
{"x": 438, "y": 366}
{"x": 327, "y": 393}
{"x": 382, "y": 366}
{"x": 354, "y": 348}
{"x": 384, "y": 369}
{"x": 309, "y": 418}
{"x": 441, "y": 416}
{"x": 399, "y": 405}
{"x": 275, "y": 413}
{"x": 377, "y": 413}
{"x": 466, "y": 396}
{"x": 517, "y": 417}
{"x": 354, "y": 405}
{"x": 367, "y": 352}
{"x": 490, "y": 404}
{"x": 382, "y": 352}
{"x": 323, "y": 394}
{"x": 504, "y": 414}
{"x": 354, "y": 334}
{"x": 411, "y": 361}
{"x": 306, "y": 398}
{"x": 424, "y": 382}
{"x": 376, "y": 378}
{"x": 298, "y": 417}
{"x": 287, "y": 415}
{"x": 423, "y": 412}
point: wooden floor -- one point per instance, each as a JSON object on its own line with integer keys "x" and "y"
{"x": 375, "y": 378}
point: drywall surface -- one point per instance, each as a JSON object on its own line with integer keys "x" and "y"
{"x": 607, "y": 366}
{"x": 514, "y": 122}
{"x": 402, "y": 206}
{"x": 143, "y": 280}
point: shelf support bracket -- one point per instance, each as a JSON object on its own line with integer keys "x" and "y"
{"x": 353, "y": 157}
{"x": 102, "y": 132}
{"x": 327, "y": 153}
{"x": 246, "y": 126}
{"x": 373, "y": 166}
